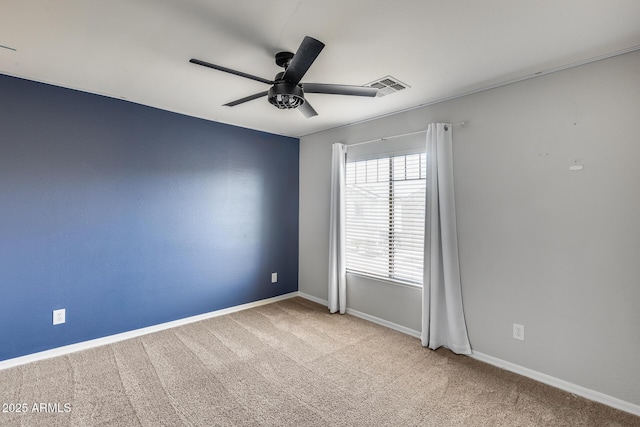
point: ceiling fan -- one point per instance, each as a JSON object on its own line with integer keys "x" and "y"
{"x": 286, "y": 91}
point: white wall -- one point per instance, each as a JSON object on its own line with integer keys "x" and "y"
{"x": 554, "y": 250}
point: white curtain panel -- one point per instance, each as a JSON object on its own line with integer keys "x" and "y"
{"x": 443, "y": 322}
{"x": 337, "y": 268}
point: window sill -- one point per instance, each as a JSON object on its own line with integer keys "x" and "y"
{"x": 385, "y": 281}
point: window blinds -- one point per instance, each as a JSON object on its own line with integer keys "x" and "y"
{"x": 385, "y": 209}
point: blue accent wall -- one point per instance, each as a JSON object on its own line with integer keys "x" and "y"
{"x": 129, "y": 216}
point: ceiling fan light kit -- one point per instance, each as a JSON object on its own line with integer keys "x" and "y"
{"x": 286, "y": 95}
{"x": 286, "y": 91}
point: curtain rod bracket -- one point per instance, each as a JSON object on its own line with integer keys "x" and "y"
{"x": 461, "y": 124}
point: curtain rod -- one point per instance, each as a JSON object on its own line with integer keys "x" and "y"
{"x": 461, "y": 124}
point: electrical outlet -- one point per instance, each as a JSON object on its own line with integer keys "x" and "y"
{"x": 274, "y": 277}
{"x": 59, "y": 316}
{"x": 518, "y": 332}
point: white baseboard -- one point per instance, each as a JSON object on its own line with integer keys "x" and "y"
{"x": 390, "y": 325}
{"x": 503, "y": 364}
{"x": 67, "y": 349}
{"x": 596, "y": 396}
{"x": 366, "y": 316}
{"x": 312, "y": 298}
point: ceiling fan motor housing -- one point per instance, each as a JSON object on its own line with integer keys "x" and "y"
{"x": 283, "y": 59}
{"x": 286, "y": 95}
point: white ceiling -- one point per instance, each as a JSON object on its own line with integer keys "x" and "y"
{"x": 139, "y": 50}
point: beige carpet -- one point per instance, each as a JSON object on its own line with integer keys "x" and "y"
{"x": 285, "y": 364}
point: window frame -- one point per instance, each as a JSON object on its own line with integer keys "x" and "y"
{"x": 391, "y": 277}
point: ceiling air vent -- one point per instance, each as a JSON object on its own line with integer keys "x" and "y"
{"x": 387, "y": 85}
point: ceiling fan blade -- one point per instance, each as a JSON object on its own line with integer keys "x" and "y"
{"x": 308, "y": 51}
{"x": 246, "y": 99}
{"x": 307, "y": 109}
{"x": 229, "y": 70}
{"x": 339, "y": 89}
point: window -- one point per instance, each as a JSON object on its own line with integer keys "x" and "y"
{"x": 385, "y": 211}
